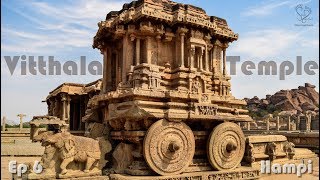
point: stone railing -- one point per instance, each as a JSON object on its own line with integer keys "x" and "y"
{"x": 306, "y": 122}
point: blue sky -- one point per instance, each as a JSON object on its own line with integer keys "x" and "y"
{"x": 64, "y": 29}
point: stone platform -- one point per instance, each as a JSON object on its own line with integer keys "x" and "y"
{"x": 239, "y": 173}
{"x": 21, "y": 147}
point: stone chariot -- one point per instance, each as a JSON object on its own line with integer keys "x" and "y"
{"x": 166, "y": 91}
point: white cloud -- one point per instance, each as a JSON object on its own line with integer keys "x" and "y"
{"x": 57, "y": 28}
{"x": 264, "y": 43}
{"x": 264, "y": 8}
{"x": 54, "y": 29}
{"x": 276, "y": 42}
{"x": 31, "y": 42}
{"x": 83, "y": 12}
{"x": 310, "y": 43}
{"x": 268, "y": 7}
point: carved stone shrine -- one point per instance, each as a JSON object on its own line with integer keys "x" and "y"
{"x": 166, "y": 91}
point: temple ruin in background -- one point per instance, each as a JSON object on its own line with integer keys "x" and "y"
{"x": 69, "y": 102}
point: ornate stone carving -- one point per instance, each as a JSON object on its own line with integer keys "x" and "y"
{"x": 204, "y": 98}
{"x": 75, "y": 148}
{"x": 289, "y": 149}
{"x": 271, "y": 150}
{"x": 197, "y": 34}
{"x": 196, "y": 86}
{"x": 226, "y": 145}
{"x": 122, "y": 156}
{"x": 250, "y": 153}
{"x": 169, "y": 147}
{"x": 192, "y": 51}
{"x": 207, "y": 110}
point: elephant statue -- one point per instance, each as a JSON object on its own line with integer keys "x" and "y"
{"x": 75, "y": 149}
{"x": 49, "y": 157}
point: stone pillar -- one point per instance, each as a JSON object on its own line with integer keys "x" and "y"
{"x": 21, "y": 123}
{"x": 3, "y": 123}
{"x": 277, "y": 123}
{"x": 289, "y": 123}
{"x": 105, "y": 71}
{"x": 50, "y": 107}
{"x": 82, "y": 110}
{"x": 117, "y": 68}
{"x": 268, "y": 124}
{"x": 124, "y": 59}
{"x": 57, "y": 107}
{"x": 206, "y": 59}
{"x": 224, "y": 62}
{"x": 298, "y": 123}
{"x": 201, "y": 59}
{"x": 68, "y": 110}
{"x": 137, "y": 51}
{"x": 158, "y": 38}
{"x": 109, "y": 59}
{"x": 148, "y": 50}
{"x": 63, "y": 99}
{"x": 213, "y": 59}
{"x": 248, "y": 126}
{"x": 192, "y": 53}
{"x": 182, "y": 49}
{"x": 308, "y": 122}
{"x": 21, "y": 120}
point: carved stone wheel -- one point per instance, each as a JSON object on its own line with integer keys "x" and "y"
{"x": 168, "y": 147}
{"x": 226, "y": 145}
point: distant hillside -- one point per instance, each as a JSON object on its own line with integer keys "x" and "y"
{"x": 295, "y": 100}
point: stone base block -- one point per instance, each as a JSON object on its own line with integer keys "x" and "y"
{"x": 69, "y": 175}
{"x": 239, "y": 173}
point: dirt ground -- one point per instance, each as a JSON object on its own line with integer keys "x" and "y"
{"x": 306, "y": 176}
{"x": 5, "y": 174}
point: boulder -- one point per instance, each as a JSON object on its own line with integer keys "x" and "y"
{"x": 298, "y": 100}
